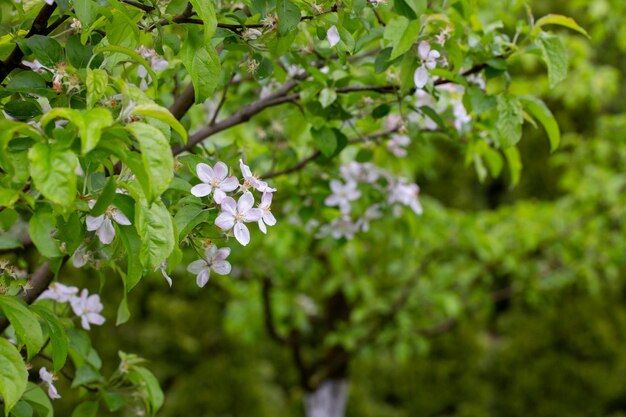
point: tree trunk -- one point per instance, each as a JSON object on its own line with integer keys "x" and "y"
{"x": 328, "y": 400}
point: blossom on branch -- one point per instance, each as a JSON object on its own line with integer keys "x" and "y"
{"x": 214, "y": 259}
{"x": 48, "y": 379}
{"x": 214, "y": 180}
{"x": 235, "y": 214}
{"x": 88, "y": 308}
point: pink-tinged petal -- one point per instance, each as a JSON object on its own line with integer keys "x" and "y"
{"x": 201, "y": 190}
{"x": 266, "y": 200}
{"x": 423, "y": 49}
{"x": 220, "y": 170}
{"x": 197, "y": 266}
{"x": 332, "y": 36}
{"x": 225, "y": 221}
{"x": 120, "y": 218}
{"x": 332, "y": 200}
{"x": 205, "y": 172}
{"x": 106, "y": 232}
{"x": 52, "y": 391}
{"x": 269, "y": 218}
{"x": 353, "y": 194}
{"x": 242, "y": 234}
{"x": 218, "y": 196}
{"x": 420, "y": 77}
{"x": 93, "y": 223}
{"x": 221, "y": 267}
{"x": 95, "y": 318}
{"x": 229, "y": 184}
{"x": 167, "y": 277}
{"x": 210, "y": 252}
{"x": 222, "y": 254}
{"x": 262, "y": 226}
{"x": 245, "y": 203}
{"x": 245, "y": 169}
{"x": 336, "y": 186}
{"x": 203, "y": 277}
{"x": 253, "y": 215}
{"x": 433, "y": 55}
{"x": 229, "y": 205}
{"x": 85, "y": 323}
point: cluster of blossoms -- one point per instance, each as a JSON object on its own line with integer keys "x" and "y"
{"x": 358, "y": 178}
{"x": 85, "y": 306}
{"x": 428, "y": 58}
{"x": 234, "y": 214}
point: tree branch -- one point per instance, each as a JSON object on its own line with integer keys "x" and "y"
{"x": 268, "y": 313}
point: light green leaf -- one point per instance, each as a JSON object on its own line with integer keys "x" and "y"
{"x": 58, "y": 337}
{"x": 156, "y": 155}
{"x": 557, "y": 19}
{"x": 95, "y": 120}
{"x": 515, "y": 164}
{"x": 162, "y": 114}
{"x": 8, "y": 197}
{"x": 325, "y": 140}
{"x": 288, "y": 16}
{"x": 538, "y": 109}
{"x": 54, "y": 172}
{"x": 40, "y": 228}
{"x": 86, "y": 11}
{"x": 132, "y": 54}
{"x": 203, "y": 65}
{"x": 13, "y": 375}
{"x": 97, "y": 81}
{"x": 24, "y": 322}
{"x": 510, "y": 119}
{"x": 188, "y": 217}
{"x": 38, "y": 400}
{"x": 554, "y": 55}
{"x": 206, "y": 10}
{"x": 154, "y": 225}
{"x": 86, "y": 409}
{"x": 141, "y": 375}
{"x": 401, "y": 34}
{"x": 327, "y": 97}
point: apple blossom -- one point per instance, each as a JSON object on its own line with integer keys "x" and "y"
{"x": 48, "y": 379}
{"x": 59, "y": 293}
{"x": 267, "y": 218}
{"x": 397, "y": 145}
{"x": 428, "y": 58}
{"x": 235, "y": 214}
{"x": 102, "y": 224}
{"x": 252, "y": 181}
{"x": 360, "y": 172}
{"x": 214, "y": 259}
{"x": 342, "y": 195}
{"x": 332, "y": 35}
{"x": 404, "y": 193}
{"x": 88, "y": 308}
{"x": 214, "y": 180}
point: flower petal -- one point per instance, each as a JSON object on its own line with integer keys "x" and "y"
{"x": 106, "y": 232}
{"x": 196, "y": 266}
{"x": 201, "y": 190}
{"x": 229, "y": 184}
{"x": 205, "y": 172}
{"x": 332, "y": 36}
{"x": 266, "y": 200}
{"x": 245, "y": 203}
{"x": 420, "y": 77}
{"x": 220, "y": 170}
{"x": 222, "y": 267}
{"x": 222, "y": 254}
{"x": 218, "y": 195}
{"x": 225, "y": 221}
{"x": 253, "y": 215}
{"x": 262, "y": 226}
{"x": 93, "y": 223}
{"x": 229, "y": 205}
{"x": 245, "y": 169}
{"x": 423, "y": 49}
{"x": 120, "y": 218}
{"x": 269, "y": 218}
{"x": 242, "y": 234}
{"x": 203, "y": 277}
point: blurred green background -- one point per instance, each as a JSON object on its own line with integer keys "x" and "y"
{"x": 555, "y": 345}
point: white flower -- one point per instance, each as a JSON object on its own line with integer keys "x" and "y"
{"x": 266, "y": 215}
{"x": 36, "y": 66}
{"x": 48, "y": 379}
{"x": 59, "y": 293}
{"x": 342, "y": 195}
{"x": 214, "y": 259}
{"x": 234, "y": 215}
{"x": 81, "y": 257}
{"x": 372, "y": 213}
{"x": 355, "y": 171}
{"x": 214, "y": 179}
{"x": 251, "y": 34}
{"x": 461, "y": 117}
{"x": 429, "y": 61}
{"x": 340, "y": 227}
{"x": 252, "y": 180}
{"x": 88, "y": 308}
{"x": 397, "y": 145}
{"x": 332, "y": 35}
{"x": 406, "y": 194}
{"x": 103, "y": 224}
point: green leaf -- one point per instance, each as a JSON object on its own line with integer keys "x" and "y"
{"x": 54, "y": 172}
{"x": 9, "y": 242}
{"x": 203, "y": 65}
{"x": 478, "y": 101}
{"x": 206, "y": 11}
{"x": 154, "y": 225}
{"x": 38, "y": 400}
{"x": 327, "y": 97}
{"x": 557, "y": 19}
{"x": 47, "y": 51}
{"x": 188, "y": 217}
{"x": 113, "y": 400}
{"x": 85, "y": 374}
{"x": 123, "y": 312}
{"x": 325, "y": 140}
{"x": 40, "y": 228}
{"x": 27, "y": 82}
{"x": 77, "y": 53}
{"x": 156, "y": 155}
{"x": 24, "y": 322}
{"x": 8, "y": 197}
{"x": 58, "y": 337}
{"x": 401, "y": 34}
{"x": 132, "y": 54}
{"x": 162, "y": 114}
{"x": 538, "y": 109}
{"x": 95, "y": 121}
{"x": 554, "y": 55}
{"x": 86, "y": 11}
{"x": 86, "y": 409}
{"x": 106, "y": 197}
{"x": 288, "y": 16}
{"x": 132, "y": 245}
{"x": 22, "y": 109}
{"x": 13, "y": 375}
{"x": 510, "y": 119}
{"x": 141, "y": 375}
{"x": 515, "y": 164}
{"x": 97, "y": 81}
